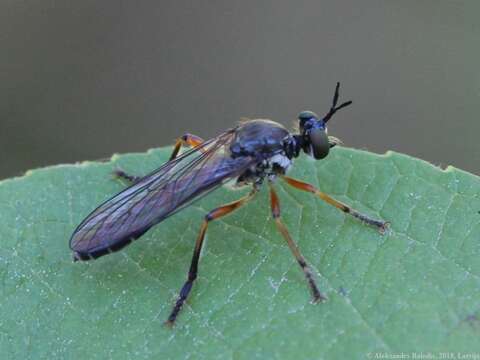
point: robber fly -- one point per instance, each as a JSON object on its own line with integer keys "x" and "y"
{"x": 250, "y": 153}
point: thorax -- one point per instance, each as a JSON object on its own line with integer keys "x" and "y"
{"x": 269, "y": 143}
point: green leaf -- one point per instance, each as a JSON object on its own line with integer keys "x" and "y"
{"x": 415, "y": 289}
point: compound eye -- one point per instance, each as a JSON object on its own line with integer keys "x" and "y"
{"x": 319, "y": 143}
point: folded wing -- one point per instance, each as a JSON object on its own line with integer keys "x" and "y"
{"x": 176, "y": 184}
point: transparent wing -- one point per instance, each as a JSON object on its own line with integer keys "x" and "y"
{"x": 176, "y": 184}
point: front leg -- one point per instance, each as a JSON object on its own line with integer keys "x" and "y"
{"x": 379, "y": 224}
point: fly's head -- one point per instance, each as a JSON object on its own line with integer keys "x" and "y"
{"x": 313, "y": 130}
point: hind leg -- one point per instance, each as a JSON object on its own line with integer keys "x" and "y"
{"x": 185, "y": 140}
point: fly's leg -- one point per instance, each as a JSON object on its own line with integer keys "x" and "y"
{"x": 122, "y": 174}
{"x": 379, "y": 224}
{"x": 192, "y": 273}
{"x": 275, "y": 204}
{"x": 185, "y": 140}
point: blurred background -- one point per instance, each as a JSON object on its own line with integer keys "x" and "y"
{"x": 80, "y": 80}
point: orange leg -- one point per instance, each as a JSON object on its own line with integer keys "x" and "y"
{"x": 317, "y": 296}
{"x": 381, "y": 225}
{"x": 192, "y": 273}
{"x": 185, "y": 140}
